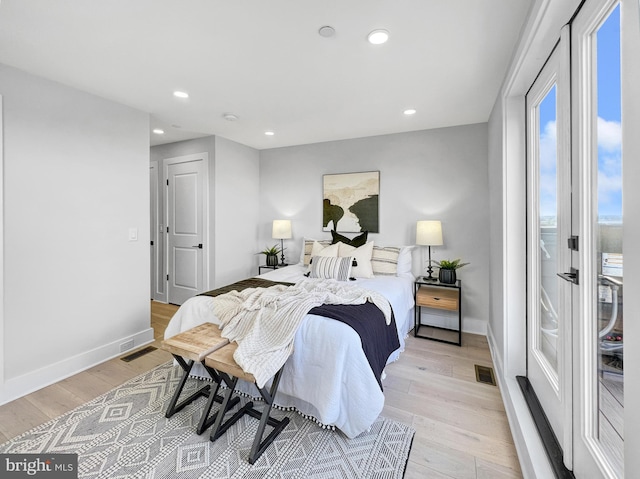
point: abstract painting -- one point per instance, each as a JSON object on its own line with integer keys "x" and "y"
{"x": 350, "y": 202}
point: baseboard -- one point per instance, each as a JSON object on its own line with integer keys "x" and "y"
{"x": 533, "y": 458}
{"x": 474, "y": 326}
{"x": 17, "y": 387}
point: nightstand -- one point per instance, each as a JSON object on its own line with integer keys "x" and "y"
{"x": 440, "y": 296}
{"x": 262, "y": 266}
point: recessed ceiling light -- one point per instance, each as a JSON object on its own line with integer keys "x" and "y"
{"x": 410, "y": 111}
{"x": 378, "y": 37}
{"x": 158, "y": 131}
{"x": 229, "y": 117}
{"x": 180, "y": 94}
{"x": 326, "y": 31}
{"x": 269, "y": 133}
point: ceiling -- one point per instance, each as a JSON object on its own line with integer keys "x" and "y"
{"x": 265, "y": 62}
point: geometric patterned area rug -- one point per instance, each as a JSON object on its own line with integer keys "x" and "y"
{"x": 124, "y": 434}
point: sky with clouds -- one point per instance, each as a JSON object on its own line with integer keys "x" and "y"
{"x": 609, "y": 129}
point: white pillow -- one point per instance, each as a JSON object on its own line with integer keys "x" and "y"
{"x": 331, "y": 267}
{"x": 362, "y": 255}
{"x": 405, "y": 261}
{"x": 319, "y": 249}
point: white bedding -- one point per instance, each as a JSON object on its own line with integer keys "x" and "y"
{"x": 328, "y": 376}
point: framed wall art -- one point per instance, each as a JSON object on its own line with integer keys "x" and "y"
{"x": 350, "y": 202}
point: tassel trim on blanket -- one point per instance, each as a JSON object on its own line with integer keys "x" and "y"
{"x": 330, "y": 427}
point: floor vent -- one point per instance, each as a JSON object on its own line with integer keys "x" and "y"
{"x": 485, "y": 375}
{"x": 137, "y": 354}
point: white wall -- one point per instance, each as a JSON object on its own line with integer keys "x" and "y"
{"x": 75, "y": 181}
{"x": 432, "y": 174}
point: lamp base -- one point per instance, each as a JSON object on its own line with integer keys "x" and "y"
{"x": 430, "y": 270}
{"x": 282, "y": 263}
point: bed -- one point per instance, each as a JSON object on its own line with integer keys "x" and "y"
{"x": 327, "y": 377}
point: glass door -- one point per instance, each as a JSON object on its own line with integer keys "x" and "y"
{"x": 549, "y": 224}
{"x": 598, "y": 217}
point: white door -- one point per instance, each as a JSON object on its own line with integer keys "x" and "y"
{"x": 549, "y": 225}
{"x": 597, "y": 158}
{"x": 185, "y": 228}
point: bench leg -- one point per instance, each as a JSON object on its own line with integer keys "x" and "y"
{"x": 206, "y": 421}
{"x": 259, "y": 445}
{"x": 174, "y": 406}
{"x": 219, "y": 427}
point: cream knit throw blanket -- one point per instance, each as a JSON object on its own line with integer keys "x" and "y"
{"x": 264, "y": 321}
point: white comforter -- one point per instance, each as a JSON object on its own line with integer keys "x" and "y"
{"x": 328, "y": 376}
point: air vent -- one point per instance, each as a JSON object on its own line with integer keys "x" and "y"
{"x": 485, "y": 375}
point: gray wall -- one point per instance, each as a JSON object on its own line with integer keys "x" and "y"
{"x": 76, "y": 175}
{"x": 432, "y": 174}
{"x": 233, "y": 204}
{"x": 237, "y": 195}
{"x": 496, "y": 298}
{"x": 160, "y": 153}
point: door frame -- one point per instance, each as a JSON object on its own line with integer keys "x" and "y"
{"x": 204, "y": 156}
{"x": 1, "y": 248}
{"x": 155, "y": 233}
{"x": 588, "y": 451}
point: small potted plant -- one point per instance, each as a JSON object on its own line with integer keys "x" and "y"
{"x": 447, "y": 274}
{"x": 271, "y": 254}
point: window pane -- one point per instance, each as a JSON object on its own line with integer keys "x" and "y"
{"x": 548, "y": 333}
{"x": 608, "y": 234}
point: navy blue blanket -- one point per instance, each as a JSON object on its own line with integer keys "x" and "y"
{"x": 378, "y": 339}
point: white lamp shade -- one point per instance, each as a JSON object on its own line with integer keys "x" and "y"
{"x": 281, "y": 229}
{"x": 429, "y": 233}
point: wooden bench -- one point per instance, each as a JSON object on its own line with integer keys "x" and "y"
{"x": 187, "y": 348}
{"x": 222, "y": 362}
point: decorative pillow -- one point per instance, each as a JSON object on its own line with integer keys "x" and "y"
{"x": 384, "y": 260}
{"x": 307, "y": 244}
{"x": 362, "y": 255}
{"x": 356, "y": 242}
{"x": 331, "y": 268}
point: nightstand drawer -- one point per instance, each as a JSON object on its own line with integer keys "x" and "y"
{"x": 440, "y": 298}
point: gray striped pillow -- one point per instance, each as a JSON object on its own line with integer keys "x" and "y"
{"x": 329, "y": 267}
{"x": 384, "y": 260}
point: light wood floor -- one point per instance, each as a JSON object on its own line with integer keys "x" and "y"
{"x": 461, "y": 427}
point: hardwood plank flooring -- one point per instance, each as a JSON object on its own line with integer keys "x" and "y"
{"x": 461, "y": 426}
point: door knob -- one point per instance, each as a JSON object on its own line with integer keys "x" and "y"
{"x": 199, "y": 245}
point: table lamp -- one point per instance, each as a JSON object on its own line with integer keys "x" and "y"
{"x": 429, "y": 233}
